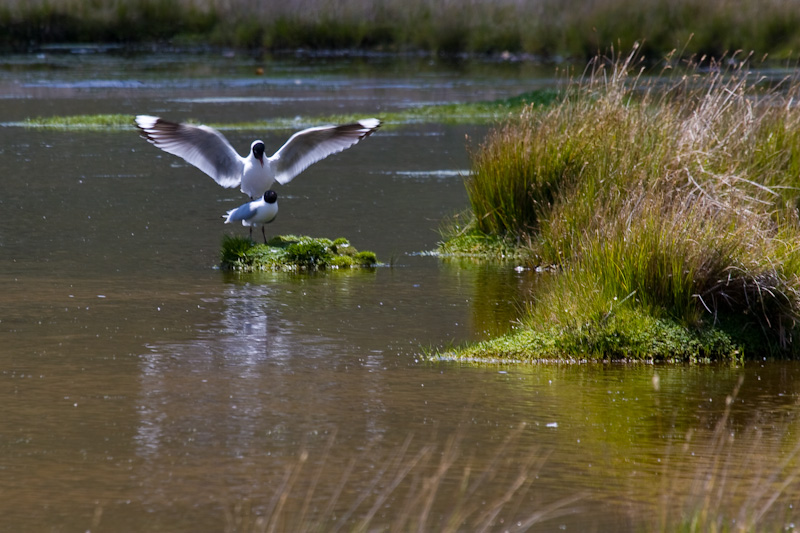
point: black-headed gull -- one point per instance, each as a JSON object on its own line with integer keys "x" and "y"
{"x": 256, "y": 213}
{"x": 208, "y": 150}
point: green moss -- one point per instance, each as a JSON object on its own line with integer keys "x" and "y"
{"x": 293, "y": 253}
{"x": 307, "y": 253}
{"x": 629, "y": 336}
{"x": 342, "y": 243}
{"x": 365, "y": 258}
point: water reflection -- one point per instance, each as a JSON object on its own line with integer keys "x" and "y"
{"x": 499, "y": 294}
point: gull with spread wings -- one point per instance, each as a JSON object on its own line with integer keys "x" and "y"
{"x": 208, "y": 150}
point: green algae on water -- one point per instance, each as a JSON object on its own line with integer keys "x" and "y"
{"x": 482, "y": 112}
{"x": 291, "y": 253}
{"x": 100, "y": 122}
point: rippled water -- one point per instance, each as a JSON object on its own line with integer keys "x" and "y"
{"x": 144, "y": 389}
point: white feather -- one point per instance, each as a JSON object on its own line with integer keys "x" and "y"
{"x": 209, "y": 150}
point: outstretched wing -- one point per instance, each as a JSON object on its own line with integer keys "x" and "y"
{"x": 306, "y": 147}
{"x": 201, "y": 146}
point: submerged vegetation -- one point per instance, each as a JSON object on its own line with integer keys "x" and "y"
{"x": 671, "y": 209}
{"x": 291, "y": 253}
{"x": 546, "y": 28}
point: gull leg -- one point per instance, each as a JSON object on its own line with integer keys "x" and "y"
{"x": 264, "y": 234}
{"x": 251, "y": 233}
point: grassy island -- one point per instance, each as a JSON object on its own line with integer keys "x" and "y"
{"x": 669, "y": 206}
{"x": 290, "y": 253}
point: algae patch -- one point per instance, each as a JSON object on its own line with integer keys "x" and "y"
{"x": 291, "y": 253}
{"x": 481, "y": 112}
{"x": 114, "y": 122}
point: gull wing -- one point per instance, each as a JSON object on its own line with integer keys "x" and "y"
{"x": 306, "y": 147}
{"x": 243, "y": 212}
{"x": 201, "y": 146}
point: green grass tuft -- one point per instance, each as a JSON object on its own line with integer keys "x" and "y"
{"x": 234, "y": 249}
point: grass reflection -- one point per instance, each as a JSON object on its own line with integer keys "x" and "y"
{"x": 713, "y": 478}
{"x": 743, "y": 482}
{"x": 429, "y": 489}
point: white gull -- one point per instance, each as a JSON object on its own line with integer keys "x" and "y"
{"x": 209, "y": 150}
{"x": 256, "y": 213}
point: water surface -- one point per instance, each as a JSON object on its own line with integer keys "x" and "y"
{"x": 144, "y": 389}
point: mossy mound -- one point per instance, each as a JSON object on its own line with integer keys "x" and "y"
{"x": 290, "y": 253}
{"x": 630, "y": 336}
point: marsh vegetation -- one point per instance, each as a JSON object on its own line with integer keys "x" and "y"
{"x": 546, "y": 28}
{"x": 669, "y": 205}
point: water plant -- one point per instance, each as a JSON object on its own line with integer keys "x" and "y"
{"x": 292, "y": 253}
{"x": 664, "y": 204}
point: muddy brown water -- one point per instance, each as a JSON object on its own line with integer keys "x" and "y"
{"x": 143, "y": 389}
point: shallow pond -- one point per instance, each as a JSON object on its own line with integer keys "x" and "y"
{"x": 143, "y": 389}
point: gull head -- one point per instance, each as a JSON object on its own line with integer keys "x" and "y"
{"x": 257, "y": 148}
